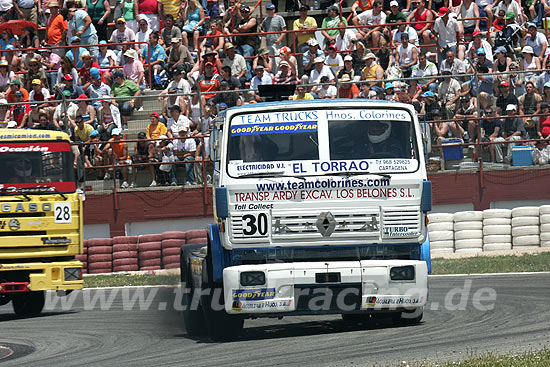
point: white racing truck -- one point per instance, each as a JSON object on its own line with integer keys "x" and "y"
{"x": 320, "y": 208}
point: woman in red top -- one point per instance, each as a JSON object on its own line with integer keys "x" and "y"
{"x": 421, "y": 14}
{"x": 543, "y": 122}
{"x": 150, "y": 10}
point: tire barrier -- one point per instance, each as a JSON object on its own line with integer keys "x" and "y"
{"x": 489, "y": 230}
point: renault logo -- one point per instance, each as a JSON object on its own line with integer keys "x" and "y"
{"x": 326, "y": 223}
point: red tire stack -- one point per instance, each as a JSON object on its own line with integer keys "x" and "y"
{"x": 195, "y": 236}
{"x": 100, "y": 255}
{"x": 150, "y": 251}
{"x": 171, "y": 249}
{"x": 125, "y": 253}
{"x": 84, "y": 257}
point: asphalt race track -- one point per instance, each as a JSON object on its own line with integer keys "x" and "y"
{"x": 122, "y": 334}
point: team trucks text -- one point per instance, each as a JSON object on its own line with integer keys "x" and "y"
{"x": 320, "y": 208}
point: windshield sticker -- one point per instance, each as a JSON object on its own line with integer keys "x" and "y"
{"x": 275, "y": 128}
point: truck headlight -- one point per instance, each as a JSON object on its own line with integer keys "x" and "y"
{"x": 402, "y": 273}
{"x": 251, "y": 278}
{"x": 73, "y": 274}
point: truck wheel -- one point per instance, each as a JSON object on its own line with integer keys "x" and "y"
{"x": 28, "y": 304}
{"x": 193, "y": 319}
{"x": 408, "y": 317}
{"x": 221, "y": 326}
{"x": 4, "y": 299}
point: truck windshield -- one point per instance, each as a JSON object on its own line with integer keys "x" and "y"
{"x": 313, "y": 142}
{"x": 37, "y": 167}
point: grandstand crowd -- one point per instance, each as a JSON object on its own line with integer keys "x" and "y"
{"x": 475, "y": 62}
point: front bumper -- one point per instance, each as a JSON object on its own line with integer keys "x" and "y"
{"x": 44, "y": 276}
{"x": 362, "y": 286}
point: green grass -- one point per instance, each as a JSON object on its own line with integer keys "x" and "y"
{"x": 531, "y": 359}
{"x": 493, "y": 264}
{"x": 118, "y": 280}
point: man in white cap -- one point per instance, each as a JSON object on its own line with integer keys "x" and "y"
{"x": 133, "y": 69}
{"x": 447, "y": 33}
{"x": 319, "y": 70}
{"x": 512, "y": 130}
{"x": 286, "y": 74}
{"x": 372, "y": 70}
{"x": 311, "y": 54}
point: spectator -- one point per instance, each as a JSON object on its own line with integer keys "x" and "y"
{"x": 440, "y": 129}
{"x": 44, "y": 123}
{"x": 448, "y": 88}
{"x": 142, "y": 35}
{"x": 310, "y": 55}
{"x": 195, "y": 17}
{"x": 326, "y": 90}
{"x": 511, "y": 6}
{"x": 403, "y": 28}
{"x": 122, "y": 34}
{"x": 180, "y": 83}
{"x": 81, "y": 26}
{"x": 536, "y": 40}
{"x": 63, "y": 111}
{"x": 372, "y": 71}
{"x": 119, "y": 148}
{"x": 169, "y": 32}
{"x": 246, "y": 45}
{"x": 84, "y": 110}
{"x": 150, "y": 10}
{"x": 530, "y": 63}
{"x": 214, "y": 39}
{"x": 129, "y": 91}
{"x": 185, "y": 149}
{"x": 155, "y": 128}
{"x": 69, "y": 85}
{"x": 261, "y": 78}
{"x": 236, "y": 62}
{"x": 157, "y": 55}
{"x": 13, "y": 60}
{"x": 144, "y": 152}
{"x": 466, "y": 109}
{"x": 38, "y": 92}
{"x": 74, "y": 53}
{"x": 18, "y": 112}
{"x": 490, "y": 129}
{"x": 543, "y": 122}
{"x": 230, "y": 98}
{"x": 529, "y": 104}
{"x": 87, "y": 65}
{"x": 35, "y": 72}
{"x": 373, "y": 18}
{"x": 97, "y": 89}
{"x": 133, "y": 69}
{"x": 348, "y": 69}
{"x": 505, "y": 98}
{"x": 4, "y": 112}
{"x": 361, "y": 5}
{"x": 26, "y": 10}
{"x": 31, "y": 118}
{"x": 455, "y": 65}
{"x": 429, "y": 103}
{"x": 286, "y": 55}
{"x": 467, "y": 11}
{"x": 359, "y": 54}
{"x": 319, "y": 70}
{"x": 331, "y": 21}
{"x": 426, "y": 73}
{"x": 421, "y": 17}
{"x": 395, "y": 15}
{"x": 129, "y": 11}
{"x": 50, "y": 61}
{"x": 348, "y": 89}
{"x": 15, "y": 86}
{"x": 306, "y": 26}
{"x": 542, "y": 79}
{"x": 109, "y": 119}
{"x": 447, "y": 33}
{"x": 406, "y": 55}
{"x": 478, "y": 43}
{"x": 209, "y": 82}
{"x": 301, "y": 94}
{"x": 6, "y": 76}
{"x": 99, "y": 11}
{"x": 56, "y": 28}
{"x": 93, "y": 154}
{"x": 82, "y": 130}
{"x": 286, "y": 74}
{"x": 345, "y": 41}
{"x": 481, "y": 60}
{"x": 172, "y": 100}
{"x": 120, "y": 60}
{"x": 106, "y": 57}
{"x": 512, "y": 130}
{"x": 485, "y": 9}
{"x": 517, "y": 80}
{"x": 273, "y": 23}
{"x": 176, "y": 121}
{"x": 29, "y": 39}
{"x": 334, "y": 60}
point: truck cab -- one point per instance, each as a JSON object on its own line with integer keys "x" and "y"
{"x": 320, "y": 208}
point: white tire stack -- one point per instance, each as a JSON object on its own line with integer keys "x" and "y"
{"x": 525, "y": 227}
{"x": 544, "y": 213}
{"x": 497, "y": 229}
{"x": 441, "y": 232}
{"x": 468, "y": 228}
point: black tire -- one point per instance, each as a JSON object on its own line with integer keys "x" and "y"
{"x": 221, "y": 326}
{"x": 28, "y": 304}
{"x": 409, "y": 317}
{"x": 4, "y": 299}
{"x": 195, "y": 324}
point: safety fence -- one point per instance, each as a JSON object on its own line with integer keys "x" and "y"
{"x": 133, "y": 253}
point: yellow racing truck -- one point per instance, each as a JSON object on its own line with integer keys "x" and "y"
{"x": 40, "y": 219}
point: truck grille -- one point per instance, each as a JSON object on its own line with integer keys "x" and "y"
{"x": 402, "y": 216}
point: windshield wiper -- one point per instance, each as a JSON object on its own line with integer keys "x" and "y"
{"x": 55, "y": 191}
{"x": 15, "y": 191}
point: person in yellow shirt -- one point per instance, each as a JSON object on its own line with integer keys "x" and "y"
{"x": 372, "y": 70}
{"x": 155, "y": 128}
{"x": 307, "y": 26}
{"x": 301, "y": 94}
